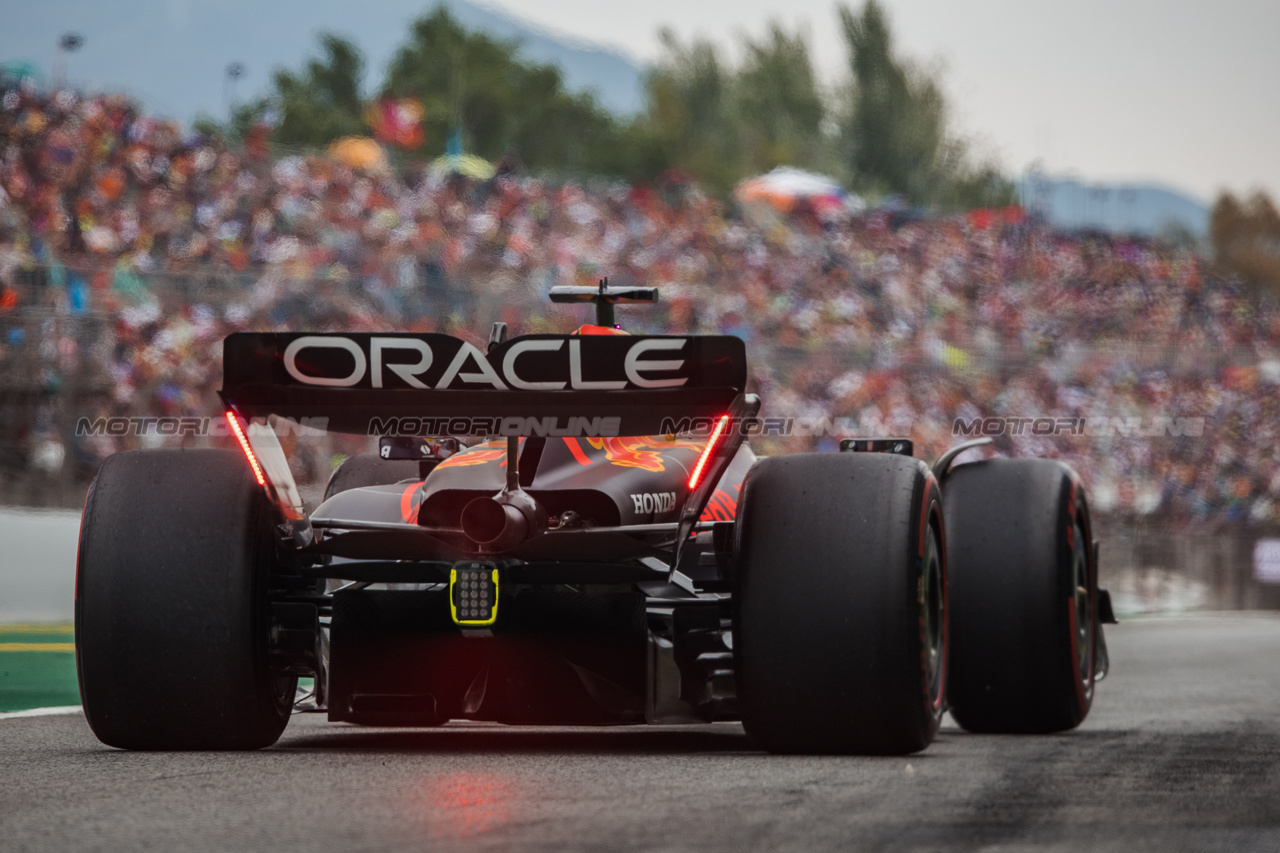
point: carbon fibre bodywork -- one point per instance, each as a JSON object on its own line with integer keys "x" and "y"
{"x": 592, "y": 632}
{"x": 606, "y": 482}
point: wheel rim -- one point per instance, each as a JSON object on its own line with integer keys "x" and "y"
{"x": 933, "y": 618}
{"x": 282, "y": 685}
{"x": 1082, "y": 606}
{"x": 283, "y": 690}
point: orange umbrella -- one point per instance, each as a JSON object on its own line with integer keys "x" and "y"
{"x": 359, "y": 152}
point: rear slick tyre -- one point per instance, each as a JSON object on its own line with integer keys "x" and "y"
{"x": 1023, "y": 595}
{"x": 840, "y": 622}
{"x": 172, "y": 615}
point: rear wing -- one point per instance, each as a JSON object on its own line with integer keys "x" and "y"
{"x": 434, "y": 384}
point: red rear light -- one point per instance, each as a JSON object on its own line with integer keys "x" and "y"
{"x": 706, "y": 452}
{"x": 234, "y": 422}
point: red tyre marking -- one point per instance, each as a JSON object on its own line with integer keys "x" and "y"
{"x": 946, "y": 614}
{"x": 1076, "y": 675}
{"x": 1075, "y": 654}
{"x": 924, "y": 510}
{"x": 80, "y": 544}
{"x": 925, "y": 514}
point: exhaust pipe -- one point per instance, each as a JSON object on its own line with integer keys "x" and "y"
{"x": 504, "y": 520}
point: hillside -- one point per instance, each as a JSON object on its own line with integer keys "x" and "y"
{"x": 1138, "y": 208}
{"x": 172, "y": 54}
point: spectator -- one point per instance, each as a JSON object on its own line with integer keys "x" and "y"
{"x": 129, "y": 249}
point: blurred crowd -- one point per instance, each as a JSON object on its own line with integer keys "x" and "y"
{"x": 129, "y": 248}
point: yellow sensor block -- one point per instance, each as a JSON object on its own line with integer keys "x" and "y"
{"x": 473, "y": 594}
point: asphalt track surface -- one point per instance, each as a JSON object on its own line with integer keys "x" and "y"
{"x": 1181, "y": 752}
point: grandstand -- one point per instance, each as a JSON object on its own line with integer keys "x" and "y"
{"x": 129, "y": 248}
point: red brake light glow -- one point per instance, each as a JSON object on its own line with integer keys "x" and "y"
{"x": 234, "y": 422}
{"x": 706, "y": 452}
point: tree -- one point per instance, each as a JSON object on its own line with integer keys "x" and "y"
{"x": 964, "y": 185}
{"x": 321, "y": 103}
{"x": 724, "y": 123}
{"x": 895, "y": 129}
{"x": 895, "y": 136}
{"x": 689, "y": 117}
{"x": 479, "y": 86}
{"x": 719, "y": 121}
{"x": 1246, "y": 238}
{"x": 778, "y": 105}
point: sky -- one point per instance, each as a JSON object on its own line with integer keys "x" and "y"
{"x": 1180, "y": 92}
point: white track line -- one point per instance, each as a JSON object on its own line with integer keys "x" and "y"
{"x": 41, "y": 712}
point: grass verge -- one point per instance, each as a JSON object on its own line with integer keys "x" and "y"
{"x": 37, "y": 666}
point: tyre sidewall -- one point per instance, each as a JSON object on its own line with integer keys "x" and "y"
{"x": 172, "y": 614}
{"x": 828, "y": 627}
{"x": 1010, "y": 525}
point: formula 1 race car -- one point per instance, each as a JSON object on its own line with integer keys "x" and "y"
{"x": 607, "y": 550}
